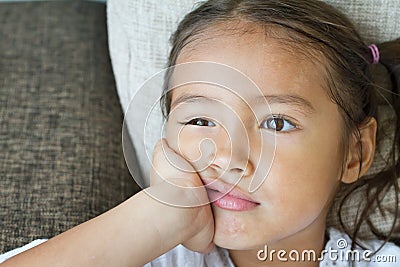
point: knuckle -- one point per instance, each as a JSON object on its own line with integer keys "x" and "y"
{"x": 158, "y": 151}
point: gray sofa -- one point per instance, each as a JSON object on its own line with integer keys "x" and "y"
{"x": 61, "y": 160}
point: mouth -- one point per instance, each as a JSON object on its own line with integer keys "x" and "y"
{"x": 228, "y": 197}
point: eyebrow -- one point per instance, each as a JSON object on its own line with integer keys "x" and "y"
{"x": 187, "y": 98}
{"x": 301, "y": 104}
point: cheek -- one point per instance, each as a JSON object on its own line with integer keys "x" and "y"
{"x": 184, "y": 141}
{"x": 190, "y": 146}
{"x": 303, "y": 182}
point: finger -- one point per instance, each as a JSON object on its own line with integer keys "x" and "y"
{"x": 157, "y": 163}
{"x": 158, "y": 149}
{"x": 174, "y": 163}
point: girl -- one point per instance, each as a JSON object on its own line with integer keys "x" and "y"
{"x": 311, "y": 126}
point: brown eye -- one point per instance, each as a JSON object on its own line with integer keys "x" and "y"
{"x": 200, "y": 122}
{"x": 278, "y": 124}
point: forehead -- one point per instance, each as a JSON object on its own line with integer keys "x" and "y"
{"x": 274, "y": 64}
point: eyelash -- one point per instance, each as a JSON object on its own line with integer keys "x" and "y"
{"x": 285, "y": 121}
{"x": 198, "y": 121}
{"x": 201, "y": 122}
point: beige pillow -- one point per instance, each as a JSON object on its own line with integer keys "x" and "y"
{"x": 139, "y": 32}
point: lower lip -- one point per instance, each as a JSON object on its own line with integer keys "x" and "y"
{"x": 229, "y": 202}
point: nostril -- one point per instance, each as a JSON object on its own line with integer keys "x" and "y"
{"x": 216, "y": 166}
{"x": 238, "y": 170}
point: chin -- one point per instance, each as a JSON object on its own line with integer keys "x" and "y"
{"x": 235, "y": 230}
{"x": 236, "y": 239}
{"x": 227, "y": 243}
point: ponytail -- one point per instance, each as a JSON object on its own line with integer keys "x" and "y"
{"x": 387, "y": 179}
{"x": 390, "y": 59}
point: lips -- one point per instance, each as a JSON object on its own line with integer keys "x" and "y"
{"x": 228, "y": 197}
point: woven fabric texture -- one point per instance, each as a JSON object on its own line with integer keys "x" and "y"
{"x": 139, "y": 32}
{"x": 61, "y": 159}
{"x": 377, "y": 20}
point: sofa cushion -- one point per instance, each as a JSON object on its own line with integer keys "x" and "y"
{"x": 61, "y": 160}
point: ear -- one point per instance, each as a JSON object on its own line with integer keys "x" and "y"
{"x": 367, "y": 142}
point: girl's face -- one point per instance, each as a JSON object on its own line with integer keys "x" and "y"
{"x": 291, "y": 204}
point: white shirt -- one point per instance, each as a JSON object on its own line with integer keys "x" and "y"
{"x": 338, "y": 251}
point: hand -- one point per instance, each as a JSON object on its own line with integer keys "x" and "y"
{"x": 161, "y": 224}
{"x": 182, "y": 188}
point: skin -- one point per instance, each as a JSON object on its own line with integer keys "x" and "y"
{"x": 293, "y": 201}
{"x": 305, "y": 174}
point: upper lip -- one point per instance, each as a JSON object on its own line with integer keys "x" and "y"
{"x": 227, "y": 189}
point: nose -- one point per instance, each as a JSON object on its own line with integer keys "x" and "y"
{"x": 232, "y": 157}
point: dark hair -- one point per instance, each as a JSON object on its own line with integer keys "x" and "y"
{"x": 316, "y": 26}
